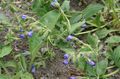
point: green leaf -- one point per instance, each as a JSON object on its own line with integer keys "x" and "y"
{"x": 75, "y": 18}
{"x": 50, "y": 19}
{"x": 5, "y": 51}
{"x": 101, "y": 67}
{"x": 104, "y": 32}
{"x": 93, "y": 40}
{"x": 113, "y": 39}
{"x": 65, "y": 6}
{"x": 91, "y": 10}
{"x": 76, "y": 26}
{"x": 116, "y": 56}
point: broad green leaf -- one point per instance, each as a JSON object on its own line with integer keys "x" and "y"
{"x": 35, "y": 42}
{"x": 65, "y": 6}
{"x": 91, "y": 10}
{"x": 40, "y": 7}
{"x": 76, "y": 26}
{"x": 34, "y": 45}
{"x": 101, "y": 67}
{"x": 50, "y": 19}
{"x": 116, "y": 56}
{"x": 93, "y": 40}
{"x": 103, "y": 32}
{"x": 75, "y": 18}
{"x": 5, "y": 51}
{"x": 113, "y": 39}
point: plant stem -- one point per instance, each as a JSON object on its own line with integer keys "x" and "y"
{"x": 92, "y": 30}
{"x": 69, "y": 26}
{"x": 110, "y": 74}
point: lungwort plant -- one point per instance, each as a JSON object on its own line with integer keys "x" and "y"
{"x": 89, "y": 38}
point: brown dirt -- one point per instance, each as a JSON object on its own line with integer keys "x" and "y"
{"x": 81, "y": 4}
{"x": 55, "y": 69}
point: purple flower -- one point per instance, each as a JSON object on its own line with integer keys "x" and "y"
{"x": 66, "y": 56}
{"x": 72, "y": 77}
{"x": 24, "y": 17}
{"x": 30, "y": 33}
{"x": 70, "y": 37}
{"x": 33, "y": 69}
{"x": 21, "y": 36}
{"x": 65, "y": 62}
{"x": 92, "y": 63}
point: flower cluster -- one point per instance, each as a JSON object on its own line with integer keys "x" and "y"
{"x": 66, "y": 56}
{"x": 29, "y": 33}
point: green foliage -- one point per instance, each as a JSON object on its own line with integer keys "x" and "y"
{"x": 5, "y": 51}
{"x": 91, "y": 10}
{"x": 104, "y": 32}
{"x": 116, "y": 56}
{"x": 93, "y": 40}
{"x": 113, "y": 39}
{"x": 50, "y": 19}
{"x": 4, "y": 20}
{"x": 76, "y": 26}
{"x": 101, "y": 67}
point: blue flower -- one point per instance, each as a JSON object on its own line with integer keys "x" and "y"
{"x": 92, "y": 63}
{"x": 70, "y": 37}
{"x": 65, "y": 62}
{"x": 30, "y": 33}
{"x": 24, "y": 17}
{"x": 66, "y": 56}
{"x": 54, "y": 4}
{"x": 21, "y": 36}
{"x": 33, "y": 69}
{"x": 72, "y": 77}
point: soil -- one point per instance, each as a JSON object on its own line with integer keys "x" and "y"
{"x": 81, "y": 4}
{"x": 55, "y": 69}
